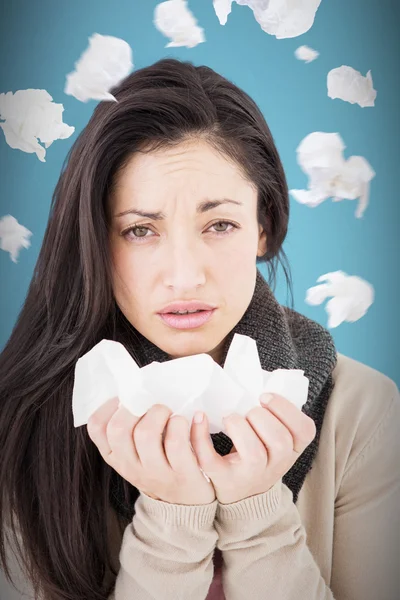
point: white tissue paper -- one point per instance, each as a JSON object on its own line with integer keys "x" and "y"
{"x": 183, "y": 384}
{"x": 31, "y": 115}
{"x": 352, "y": 296}
{"x": 349, "y": 85}
{"x": 174, "y": 19}
{"x": 320, "y": 156}
{"x": 13, "y": 236}
{"x": 103, "y": 65}
{"x": 306, "y": 53}
{"x": 282, "y": 18}
{"x": 222, "y": 10}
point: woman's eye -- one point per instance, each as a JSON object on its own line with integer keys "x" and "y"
{"x": 139, "y": 232}
{"x": 136, "y": 228}
{"x": 223, "y": 223}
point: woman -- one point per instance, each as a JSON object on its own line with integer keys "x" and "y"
{"x": 297, "y": 504}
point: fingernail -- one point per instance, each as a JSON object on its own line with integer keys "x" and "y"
{"x": 266, "y": 399}
{"x": 198, "y": 416}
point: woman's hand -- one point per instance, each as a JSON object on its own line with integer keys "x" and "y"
{"x": 267, "y": 442}
{"x": 164, "y": 468}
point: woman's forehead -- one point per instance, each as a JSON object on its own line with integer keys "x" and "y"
{"x": 196, "y": 169}
{"x": 186, "y": 157}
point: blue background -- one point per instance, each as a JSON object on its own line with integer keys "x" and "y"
{"x": 41, "y": 40}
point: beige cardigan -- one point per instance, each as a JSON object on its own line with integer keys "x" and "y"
{"x": 340, "y": 541}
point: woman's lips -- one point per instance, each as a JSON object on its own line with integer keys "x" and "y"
{"x": 189, "y": 321}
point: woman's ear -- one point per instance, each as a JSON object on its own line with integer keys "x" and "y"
{"x": 262, "y": 242}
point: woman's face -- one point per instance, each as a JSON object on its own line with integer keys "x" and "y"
{"x": 193, "y": 251}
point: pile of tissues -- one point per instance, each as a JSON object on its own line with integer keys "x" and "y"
{"x": 185, "y": 384}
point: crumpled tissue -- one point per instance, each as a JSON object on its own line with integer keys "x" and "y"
{"x": 103, "y": 65}
{"x": 222, "y": 9}
{"x": 352, "y": 296}
{"x": 13, "y": 236}
{"x": 174, "y": 20}
{"x": 349, "y": 85}
{"x": 184, "y": 384}
{"x": 320, "y": 156}
{"x": 281, "y": 18}
{"x": 306, "y": 53}
{"x": 31, "y": 115}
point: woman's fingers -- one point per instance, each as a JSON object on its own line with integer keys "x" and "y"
{"x": 97, "y": 425}
{"x": 248, "y": 446}
{"x": 272, "y": 433}
{"x": 148, "y": 438}
{"x": 119, "y": 433}
{"x": 280, "y": 428}
{"x": 152, "y": 452}
{"x": 301, "y": 427}
{"x": 206, "y": 456}
{"x": 177, "y": 449}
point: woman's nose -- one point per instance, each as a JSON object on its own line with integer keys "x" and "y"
{"x": 183, "y": 265}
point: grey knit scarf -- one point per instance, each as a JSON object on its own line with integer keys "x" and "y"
{"x": 285, "y": 340}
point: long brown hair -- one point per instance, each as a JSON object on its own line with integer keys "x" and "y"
{"x": 55, "y": 487}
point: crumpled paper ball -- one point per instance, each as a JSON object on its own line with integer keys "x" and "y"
{"x": 349, "y": 85}
{"x": 320, "y": 156}
{"x": 281, "y": 18}
{"x": 103, "y": 65}
{"x": 174, "y": 20}
{"x": 351, "y": 297}
{"x": 13, "y": 236}
{"x": 31, "y": 115}
{"x": 306, "y": 53}
{"x": 183, "y": 384}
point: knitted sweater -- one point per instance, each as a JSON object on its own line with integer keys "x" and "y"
{"x": 330, "y": 528}
{"x": 341, "y": 540}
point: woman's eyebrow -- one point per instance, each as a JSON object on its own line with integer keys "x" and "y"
{"x": 158, "y": 216}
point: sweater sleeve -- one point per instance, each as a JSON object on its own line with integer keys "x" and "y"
{"x": 167, "y": 552}
{"x": 367, "y": 517}
{"x": 264, "y": 543}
